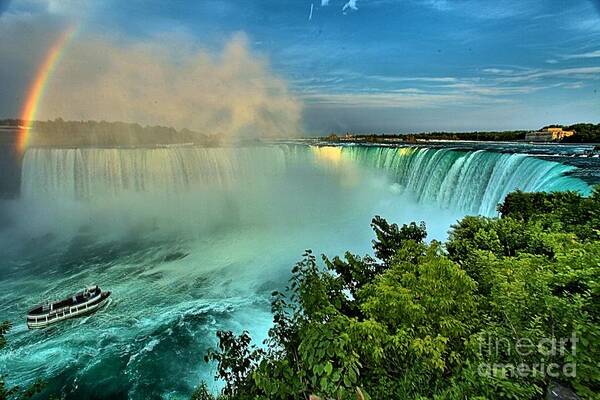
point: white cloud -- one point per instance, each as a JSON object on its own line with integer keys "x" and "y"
{"x": 350, "y": 5}
{"x": 589, "y": 54}
{"x": 579, "y": 73}
{"x": 398, "y": 99}
{"x": 435, "y": 79}
{"x": 498, "y": 71}
{"x": 497, "y": 86}
{"x": 341, "y": 74}
{"x": 532, "y": 74}
{"x": 491, "y": 89}
{"x": 441, "y": 5}
{"x": 68, "y": 8}
{"x": 574, "y": 85}
{"x": 575, "y": 56}
{"x": 485, "y": 9}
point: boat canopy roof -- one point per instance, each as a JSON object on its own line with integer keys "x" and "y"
{"x": 79, "y": 298}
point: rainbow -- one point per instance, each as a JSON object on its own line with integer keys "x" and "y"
{"x": 36, "y": 90}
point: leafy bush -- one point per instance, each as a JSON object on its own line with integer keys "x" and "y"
{"x": 431, "y": 321}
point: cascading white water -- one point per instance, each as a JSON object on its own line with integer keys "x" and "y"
{"x": 474, "y": 181}
{"x": 92, "y": 173}
{"x": 470, "y": 181}
{"x": 193, "y": 240}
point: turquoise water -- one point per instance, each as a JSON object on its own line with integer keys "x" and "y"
{"x": 193, "y": 240}
{"x": 473, "y": 181}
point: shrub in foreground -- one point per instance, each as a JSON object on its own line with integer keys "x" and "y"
{"x": 505, "y": 308}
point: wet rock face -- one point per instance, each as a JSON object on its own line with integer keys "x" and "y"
{"x": 556, "y": 391}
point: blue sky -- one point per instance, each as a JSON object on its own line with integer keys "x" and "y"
{"x": 363, "y": 65}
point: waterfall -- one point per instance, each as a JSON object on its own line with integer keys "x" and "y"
{"x": 470, "y": 181}
{"x": 92, "y": 173}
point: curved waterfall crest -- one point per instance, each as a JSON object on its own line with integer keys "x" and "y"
{"x": 470, "y": 181}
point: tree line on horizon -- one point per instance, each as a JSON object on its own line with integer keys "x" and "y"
{"x": 103, "y": 133}
{"x": 584, "y": 133}
{"x": 59, "y": 132}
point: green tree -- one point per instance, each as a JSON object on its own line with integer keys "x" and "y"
{"x": 420, "y": 320}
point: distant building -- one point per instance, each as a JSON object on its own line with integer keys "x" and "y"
{"x": 548, "y": 135}
{"x": 348, "y": 137}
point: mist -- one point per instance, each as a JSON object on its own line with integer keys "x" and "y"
{"x": 189, "y": 193}
{"x": 233, "y": 94}
{"x": 192, "y": 240}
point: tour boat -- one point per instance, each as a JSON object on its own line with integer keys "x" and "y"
{"x": 85, "y": 302}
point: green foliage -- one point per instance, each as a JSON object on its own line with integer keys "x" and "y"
{"x": 11, "y": 122}
{"x": 236, "y": 359}
{"x": 560, "y": 211}
{"x": 411, "y": 138}
{"x": 390, "y": 238}
{"x": 103, "y": 133}
{"x": 479, "y": 136}
{"x": 431, "y": 321}
{"x": 584, "y": 133}
{"x": 202, "y": 393}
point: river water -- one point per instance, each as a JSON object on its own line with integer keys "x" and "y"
{"x": 191, "y": 240}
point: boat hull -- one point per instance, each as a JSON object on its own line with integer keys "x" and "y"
{"x": 42, "y": 321}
